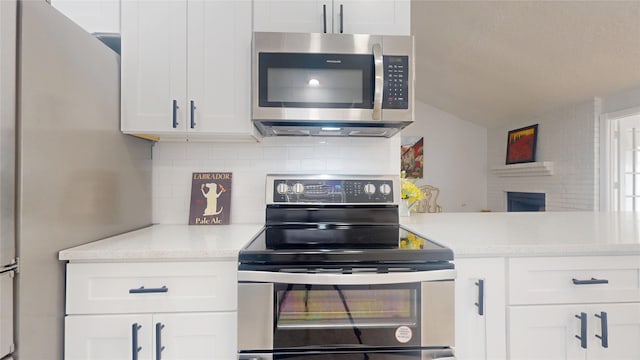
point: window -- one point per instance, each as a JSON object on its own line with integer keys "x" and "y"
{"x": 625, "y": 163}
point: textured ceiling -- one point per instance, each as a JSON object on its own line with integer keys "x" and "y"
{"x": 495, "y": 62}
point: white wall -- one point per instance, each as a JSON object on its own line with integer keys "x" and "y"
{"x": 455, "y": 158}
{"x": 173, "y": 164}
{"x": 622, "y": 100}
{"x": 92, "y": 15}
{"x": 568, "y": 137}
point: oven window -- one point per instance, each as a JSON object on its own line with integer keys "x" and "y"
{"x": 313, "y": 306}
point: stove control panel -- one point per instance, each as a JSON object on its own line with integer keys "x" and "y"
{"x": 332, "y": 191}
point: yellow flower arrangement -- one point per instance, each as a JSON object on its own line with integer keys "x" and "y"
{"x": 410, "y": 191}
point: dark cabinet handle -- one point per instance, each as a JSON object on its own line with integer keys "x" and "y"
{"x": 324, "y": 18}
{"x": 175, "y": 113}
{"x": 193, "y": 116}
{"x": 135, "y": 349}
{"x": 604, "y": 338}
{"x": 159, "y": 346}
{"x": 480, "y": 303}
{"x": 341, "y": 19}
{"x": 583, "y": 330}
{"x": 590, "y": 282}
{"x": 143, "y": 290}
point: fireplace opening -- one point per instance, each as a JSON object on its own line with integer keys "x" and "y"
{"x": 525, "y": 201}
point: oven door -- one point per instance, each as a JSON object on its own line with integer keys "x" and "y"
{"x": 431, "y": 354}
{"x": 345, "y": 311}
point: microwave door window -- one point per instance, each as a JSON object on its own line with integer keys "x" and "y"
{"x": 315, "y": 80}
{"x": 315, "y": 87}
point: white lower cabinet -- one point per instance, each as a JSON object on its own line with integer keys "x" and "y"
{"x": 605, "y": 331}
{"x": 177, "y": 336}
{"x": 480, "y": 309}
{"x": 568, "y": 308}
{"x": 151, "y": 310}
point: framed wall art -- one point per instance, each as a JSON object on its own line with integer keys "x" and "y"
{"x": 210, "y": 198}
{"x": 521, "y": 145}
{"x": 411, "y": 156}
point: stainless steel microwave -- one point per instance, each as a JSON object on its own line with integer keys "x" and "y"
{"x": 332, "y": 84}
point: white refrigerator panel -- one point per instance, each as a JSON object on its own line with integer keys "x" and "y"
{"x": 6, "y": 313}
{"x": 8, "y": 41}
{"x": 78, "y": 178}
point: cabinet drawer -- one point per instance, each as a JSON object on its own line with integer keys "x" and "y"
{"x": 108, "y": 288}
{"x": 550, "y": 280}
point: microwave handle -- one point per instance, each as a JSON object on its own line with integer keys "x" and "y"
{"x": 378, "y": 82}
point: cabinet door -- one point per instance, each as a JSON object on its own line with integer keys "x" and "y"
{"x": 623, "y": 327}
{"x": 379, "y": 17}
{"x": 153, "y": 73}
{"x": 480, "y": 332}
{"x": 107, "y": 337}
{"x": 546, "y": 332}
{"x": 191, "y": 336}
{"x": 219, "y": 67}
{"x": 307, "y": 16}
{"x": 6, "y": 310}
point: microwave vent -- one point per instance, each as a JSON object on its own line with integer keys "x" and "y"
{"x": 290, "y": 131}
{"x": 370, "y": 132}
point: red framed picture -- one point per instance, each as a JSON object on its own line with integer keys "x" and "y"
{"x": 521, "y": 145}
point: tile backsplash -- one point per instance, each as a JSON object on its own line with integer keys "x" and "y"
{"x": 173, "y": 164}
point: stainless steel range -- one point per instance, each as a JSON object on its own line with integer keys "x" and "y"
{"x": 334, "y": 276}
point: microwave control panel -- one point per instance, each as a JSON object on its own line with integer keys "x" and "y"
{"x": 396, "y": 82}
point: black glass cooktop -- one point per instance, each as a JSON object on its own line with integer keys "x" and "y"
{"x": 342, "y": 247}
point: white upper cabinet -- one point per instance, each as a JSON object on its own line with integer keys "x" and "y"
{"x": 186, "y": 69}
{"x": 219, "y": 67}
{"x": 292, "y": 16}
{"x": 381, "y": 17}
{"x": 154, "y": 65}
{"x": 384, "y": 17}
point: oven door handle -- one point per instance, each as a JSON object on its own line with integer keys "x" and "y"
{"x": 346, "y": 279}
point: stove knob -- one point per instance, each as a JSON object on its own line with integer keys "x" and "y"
{"x": 369, "y": 189}
{"x": 298, "y": 188}
{"x": 385, "y": 189}
{"x": 282, "y": 188}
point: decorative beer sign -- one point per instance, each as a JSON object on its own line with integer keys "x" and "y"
{"x": 210, "y": 198}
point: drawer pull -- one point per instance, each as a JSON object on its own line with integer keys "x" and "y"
{"x": 324, "y": 18}
{"x": 480, "y": 303}
{"x": 174, "y": 114}
{"x": 135, "y": 349}
{"x": 193, "y": 115}
{"x": 583, "y": 330}
{"x": 143, "y": 290}
{"x": 159, "y": 346}
{"x": 604, "y": 338}
{"x": 590, "y": 282}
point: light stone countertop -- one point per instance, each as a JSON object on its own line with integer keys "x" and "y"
{"x": 468, "y": 234}
{"x": 167, "y": 242}
{"x": 531, "y": 233}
